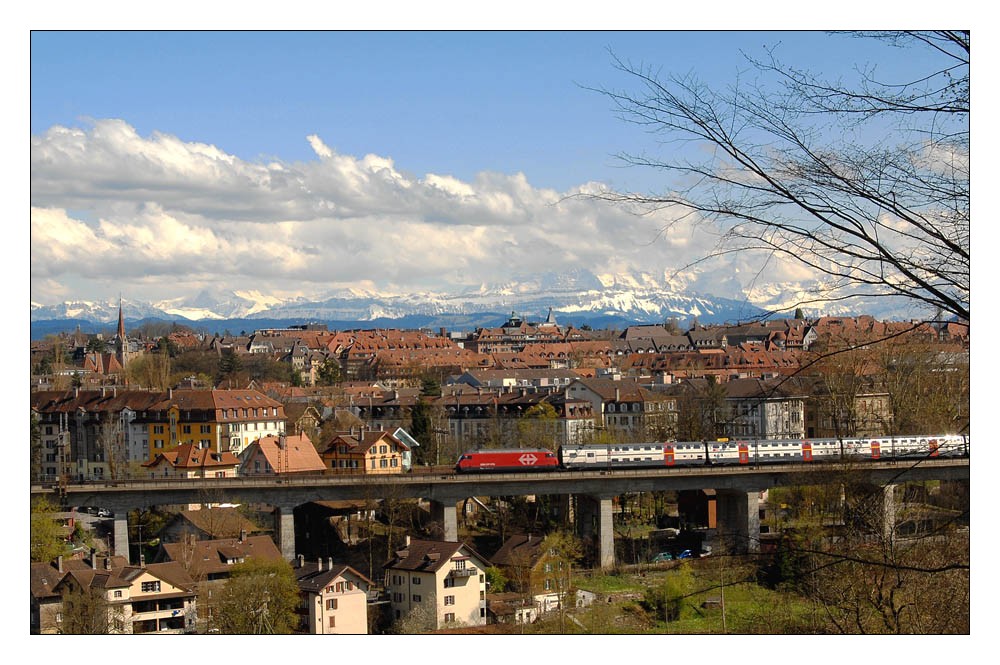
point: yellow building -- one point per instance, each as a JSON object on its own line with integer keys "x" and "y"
{"x": 367, "y": 452}
{"x": 222, "y": 420}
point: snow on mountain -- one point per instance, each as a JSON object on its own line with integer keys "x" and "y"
{"x": 640, "y": 297}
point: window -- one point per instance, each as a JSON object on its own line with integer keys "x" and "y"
{"x": 186, "y": 429}
{"x": 548, "y": 585}
{"x": 449, "y": 582}
{"x": 340, "y": 587}
{"x": 449, "y": 618}
{"x": 416, "y": 580}
{"x": 206, "y": 429}
{"x": 416, "y": 598}
{"x": 449, "y": 600}
{"x": 331, "y": 604}
{"x": 118, "y": 594}
{"x": 333, "y": 622}
{"x": 383, "y": 449}
{"x": 548, "y": 568}
{"x": 157, "y": 429}
{"x": 151, "y": 587}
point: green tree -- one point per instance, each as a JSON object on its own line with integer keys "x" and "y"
{"x": 168, "y": 346}
{"x": 96, "y": 345}
{"x": 229, "y": 365}
{"x": 665, "y": 600}
{"x": 47, "y": 538}
{"x": 259, "y": 598}
{"x": 496, "y": 581}
{"x": 430, "y": 386}
{"x": 329, "y": 373}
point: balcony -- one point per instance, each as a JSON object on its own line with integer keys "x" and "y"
{"x": 463, "y": 572}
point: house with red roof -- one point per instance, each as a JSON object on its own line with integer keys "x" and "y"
{"x": 281, "y": 455}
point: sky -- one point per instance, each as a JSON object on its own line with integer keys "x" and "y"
{"x": 306, "y": 163}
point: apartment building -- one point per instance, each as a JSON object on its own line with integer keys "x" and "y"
{"x": 443, "y": 580}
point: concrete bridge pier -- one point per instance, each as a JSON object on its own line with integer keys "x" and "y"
{"x": 284, "y": 528}
{"x": 738, "y": 516}
{"x": 595, "y": 515}
{"x": 888, "y": 513}
{"x": 445, "y": 512}
{"x": 121, "y": 533}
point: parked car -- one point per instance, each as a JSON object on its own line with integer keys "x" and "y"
{"x": 686, "y": 554}
{"x": 663, "y": 556}
{"x": 104, "y": 512}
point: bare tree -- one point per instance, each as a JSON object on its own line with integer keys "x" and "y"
{"x": 794, "y": 170}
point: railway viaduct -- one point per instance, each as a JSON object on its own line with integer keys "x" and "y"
{"x": 737, "y": 491}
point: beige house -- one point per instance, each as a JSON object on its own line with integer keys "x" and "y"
{"x": 154, "y": 598}
{"x": 444, "y": 580}
{"x": 365, "y": 452}
{"x": 334, "y": 598}
{"x": 189, "y": 461}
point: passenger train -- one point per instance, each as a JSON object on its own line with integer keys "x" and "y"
{"x": 672, "y": 454}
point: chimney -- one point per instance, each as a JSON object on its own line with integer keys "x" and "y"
{"x": 243, "y": 535}
{"x": 406, "y": 543}
{"x": 59, "y": 561}
{"x": 329, "y": 563}
{"x": 301, "y": 561}
{"x": 93, "y": 560}
{"x": 618, "y": 394}
{"x": 107, "y": 562}
{"x": 142, "y": 560}
{"x": 170, "y": 393}
{"x": 319, "y": 565}
{"x": 114, "y": 391}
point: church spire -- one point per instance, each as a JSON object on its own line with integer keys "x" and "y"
{"x": 122, "y": 342}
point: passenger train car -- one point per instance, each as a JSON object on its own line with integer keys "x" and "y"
{"x": 670, "y": 454}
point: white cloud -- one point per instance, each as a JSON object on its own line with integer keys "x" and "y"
{"x": 159, "y": 215}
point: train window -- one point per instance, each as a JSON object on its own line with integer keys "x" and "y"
{"x": 590, "y": 454}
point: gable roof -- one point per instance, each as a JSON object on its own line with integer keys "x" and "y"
{"x": 210, "y": 556}
{"x": 189, "y": 456}
{"x": 519, "y": 550}
{"x": 312, "y": 579}
{"x": 363, "y": 441}
{"x": 428, "y": 556}
{"x": 287, "y": 454}
{"x": 215, "y": 522}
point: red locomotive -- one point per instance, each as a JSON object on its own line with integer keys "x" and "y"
{"x": 507, "y": 459}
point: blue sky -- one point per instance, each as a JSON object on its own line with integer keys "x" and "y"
{"x": 306, "y": 163}
{"x": 448, "y": 102}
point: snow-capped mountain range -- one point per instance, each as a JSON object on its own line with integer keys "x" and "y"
{"x": 580, "y": 295}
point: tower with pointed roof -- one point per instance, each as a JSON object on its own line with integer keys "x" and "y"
{"x": 121, "y": 341}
